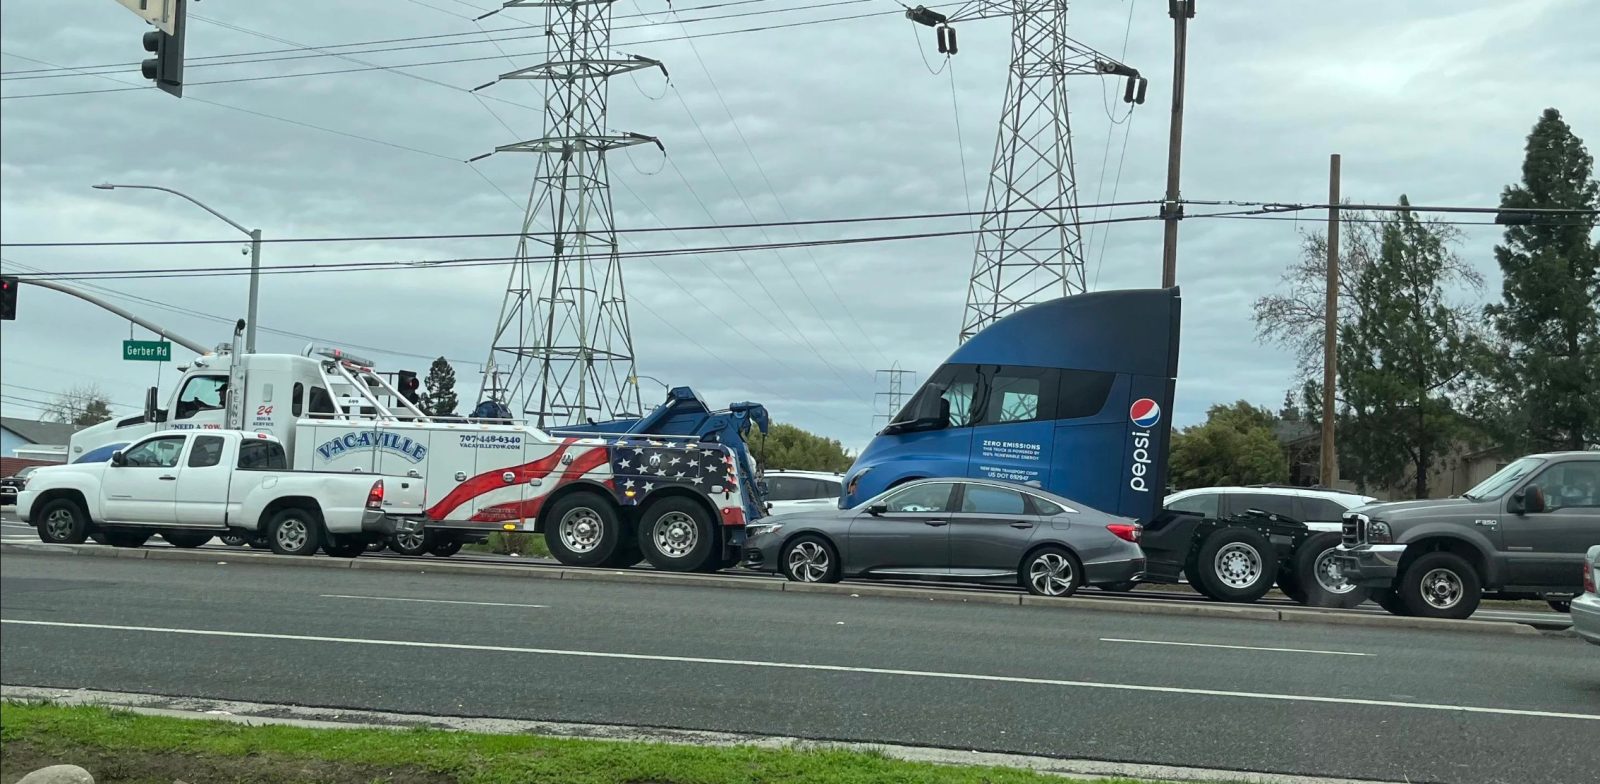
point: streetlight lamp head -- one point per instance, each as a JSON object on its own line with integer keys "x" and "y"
{"x": 104, "y": 186}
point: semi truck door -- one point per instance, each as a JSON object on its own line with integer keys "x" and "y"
{"x": 201, "y": 497}
{"x": 1013, "y": 423}
{"x": 143, "y": 487}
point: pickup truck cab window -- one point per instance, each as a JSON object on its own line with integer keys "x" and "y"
{"x": 1570, "y": 485}
{"x": 156, "y": 453}
{"x": 207, "y": 452}
{"x": 262, "y": 456}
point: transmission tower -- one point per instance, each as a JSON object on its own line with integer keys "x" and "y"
{"x": 1028, "y": 247}
{"x": 894, "y": 397}
{"x": 562, "y": 349}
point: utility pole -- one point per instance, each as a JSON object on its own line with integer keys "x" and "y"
{"x": 1181, "y": 12}
{"x": 1330, "y": 329}
{"x": 894, "y": 398}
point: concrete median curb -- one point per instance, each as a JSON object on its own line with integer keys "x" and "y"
{"x": 853, "y": 590}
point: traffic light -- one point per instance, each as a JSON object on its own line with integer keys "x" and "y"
{"x": 8, "y": 298}
{"x": 408, "y": 386}
{"x": 166, "y": 67}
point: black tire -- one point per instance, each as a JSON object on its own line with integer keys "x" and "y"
{"x": 62, "y": 521}
{"x": 294, "y": 531}
{"x": 1122, "y": 587}
{"x": 445, "y": 546}
{"x": 1051, "y": 571}
{"x": 1560, "y": 605}
{"x": 582, "y": 529}
{"x": 1235, "y": 565}
{"x": 378, "y": 546}
{"x": 627, "y": 554}
{"x": 1316, "y": 577}
{"x": 343, "y": 546}
{"x": 98, "y": 537}
{"x": 1190, "y": 569}
{"x": 809, "y": 559}
{"x": 1289, "y": 583}
{"x": 1440, "y": 585}
{"x": 234, "y": 540}
{"x": 185, "y": 539}
{"x": 677, "y": 535}
{"x": 1389, "y": 600}
{"x": 127, "y": 538}
{"x": 257, "y": 543}
{"x": 411, "y": 543}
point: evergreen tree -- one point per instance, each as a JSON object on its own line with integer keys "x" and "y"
{"x": 1544, "y": 366}
{"x": 1402, "y": 358}
{"x": 440, "y": 386}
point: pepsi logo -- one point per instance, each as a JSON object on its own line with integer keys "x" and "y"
{"x": 1145, "y": 412}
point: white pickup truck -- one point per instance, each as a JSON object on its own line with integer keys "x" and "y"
{"x": 190, "y": 486}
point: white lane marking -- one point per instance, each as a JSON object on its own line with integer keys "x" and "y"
{"x": 959, "y": 676}
{"x": 1234, "y": 647}
{"x": 430, "y": 601}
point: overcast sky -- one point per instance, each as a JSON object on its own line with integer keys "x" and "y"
{"x": 1431, "y": 99}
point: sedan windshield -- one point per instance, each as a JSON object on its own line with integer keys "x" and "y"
{"x": 1503, "y": 480}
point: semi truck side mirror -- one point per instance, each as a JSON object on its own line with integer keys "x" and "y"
{"x": 118, "y": 459}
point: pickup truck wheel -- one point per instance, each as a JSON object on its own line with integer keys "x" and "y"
{"x": 582, "y": 529}
{"x": 127, "y": 538}
{"x": 63, "y": 522}
{"x": 445, "y": 547}
{"x": 185, "y": 539}
{"x": 343, "y": 546}
{"x": 1440, "y": 585}
{"x": 1321, "y": 584}
{"x": 411, "y": 542}
{"x": 294, "y": 531}
{"x": 676, "y": 535}
{"x": 1236, "y": 565}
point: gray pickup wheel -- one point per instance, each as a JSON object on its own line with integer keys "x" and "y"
{"x": 1440, "y": 585}
{"x": 295, "y": 531}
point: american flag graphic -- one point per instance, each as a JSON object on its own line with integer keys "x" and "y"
{"x": 642, "y": 465}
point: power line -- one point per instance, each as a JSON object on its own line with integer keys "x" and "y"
{"x": 499, "y": 235}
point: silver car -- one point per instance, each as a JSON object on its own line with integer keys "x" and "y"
{"x": 968, "y": 530}
{"x": 1586, "y": 608}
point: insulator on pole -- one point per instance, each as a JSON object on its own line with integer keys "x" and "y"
{"x": 951, "y": 43}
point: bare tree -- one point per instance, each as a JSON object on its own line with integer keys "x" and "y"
{"x": 82, "y": 405}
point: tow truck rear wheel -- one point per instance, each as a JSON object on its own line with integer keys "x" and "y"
{"x": 1236, "y": 565}
{"x": 294, "y": 531}
{"x": 676, "y": 535}
{"x": 582, "y": 529}
{"x": 185, "y": 539}
{"x": 63, "y": 522}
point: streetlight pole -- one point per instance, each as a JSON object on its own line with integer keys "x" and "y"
{"x": 255, "y": 254}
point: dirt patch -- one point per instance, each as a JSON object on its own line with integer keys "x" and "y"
{"x": 142, "y": 767}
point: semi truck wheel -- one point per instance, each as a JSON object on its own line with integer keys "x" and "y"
{"x": 411, "y": 543}
{"x": 294, "y": 531}
{"x": 185, "y": 539}
{"x": 1236, "y": 565}
{"x": 582, "y": 529}
{"x": 1289, "y": 583}
{"x": 1319, "y": 581}
{"x": 444, "y": 547}
{"x": 63, "y": 522}
{"x": 676, "y": 535}
{"x": 1440, "y": 585}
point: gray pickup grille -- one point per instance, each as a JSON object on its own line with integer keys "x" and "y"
{"x": 1354, "y": 531}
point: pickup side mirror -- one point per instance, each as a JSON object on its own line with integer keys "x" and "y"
{"x": 1531, "y": 499}
{"x": 877, "y": 509}
{"x": 118, "y": 459}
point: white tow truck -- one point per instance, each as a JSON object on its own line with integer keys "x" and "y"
{"x": 189, "y": 486}
{"x": 676, "y": 489}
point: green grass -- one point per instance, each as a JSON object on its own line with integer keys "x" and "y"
{"x": 128, "y": 747}
{"x": 507, "y": 543}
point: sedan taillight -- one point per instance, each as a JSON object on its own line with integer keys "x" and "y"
{"x": 1128, "y": 532}
{"x": 1588, "y": 578}
{"x": 375, "y": 495}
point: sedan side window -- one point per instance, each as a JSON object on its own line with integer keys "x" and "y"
{"x": 922, "y": 498}
{"x": 981, "y": 499}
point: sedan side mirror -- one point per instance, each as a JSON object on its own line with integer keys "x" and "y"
{"x": 117, "y": 458}
{"x": 877, "y": 509}
{"x": 1532, "y": 498}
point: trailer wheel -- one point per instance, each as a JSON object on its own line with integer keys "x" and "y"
{"x": 444, "y": 547}
{"x": 1317, "y": 573}
{"x": 676, "y": 535}
{"x": 582, "y": 529}
{"x": 63, "y": 522}
{"x": 343, "y": 546}
{"x": 411, "y": 542}
{"x": 185, "y": 539}
{"x": 1440, "y": 585}
{"x": 127, "y": 538}
{"x": 294, "y": 531}
{"x": 1236, "y": 565}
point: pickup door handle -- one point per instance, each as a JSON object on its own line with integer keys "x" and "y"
{"x": 168, "y": 478}
{"x": 1021, "y": 525}
{"x": 936, "y": 523}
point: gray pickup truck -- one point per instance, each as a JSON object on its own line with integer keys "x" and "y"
{"x": 1520, "y": 533}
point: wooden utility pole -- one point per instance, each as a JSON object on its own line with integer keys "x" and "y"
{"x": 1330, "y": 329}
{"x": 1181, "y": 12}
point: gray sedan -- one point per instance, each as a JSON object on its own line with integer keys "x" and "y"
{"x": 968, "y": 530}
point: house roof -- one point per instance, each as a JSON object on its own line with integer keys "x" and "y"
{"x": 52, "y": 433}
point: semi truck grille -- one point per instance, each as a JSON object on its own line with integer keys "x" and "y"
{"x": 1354, "y": 530}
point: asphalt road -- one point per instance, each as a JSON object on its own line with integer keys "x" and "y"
{"x": 1395, "y": 705}
{"x": 13, "y": 531}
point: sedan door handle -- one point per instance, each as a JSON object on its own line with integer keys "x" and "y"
{"x": 935, "y": 523}
{"x": 168, "y": 478}
{"x": 1021, "y": 525}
